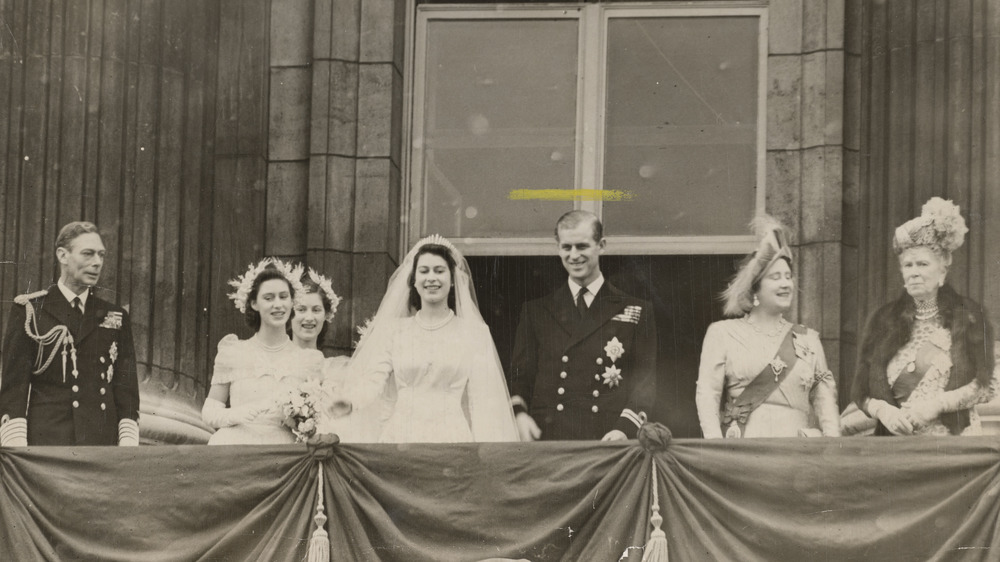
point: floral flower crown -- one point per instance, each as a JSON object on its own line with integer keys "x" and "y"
{"x": 940, "y": 226}
{"x": 326, "y": 286}
{"x": 244, "y": 283}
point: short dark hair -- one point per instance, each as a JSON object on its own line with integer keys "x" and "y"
{"x": 444, "y": 253}
{"x": 572, "y": 219}
{"x": 308, "y": 287}
{"x": 72, "y": 231}
{"x": 270, "y": 272}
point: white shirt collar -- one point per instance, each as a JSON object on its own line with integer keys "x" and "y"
{"x": 70, "y": 295}
{"x": 592, "y": 289}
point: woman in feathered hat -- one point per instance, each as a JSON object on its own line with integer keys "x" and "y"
{"x": 760, "y": 375}
{"x": 926, "y": 359}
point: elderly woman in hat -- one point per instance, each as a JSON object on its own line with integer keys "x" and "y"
{"x": 927, "y": 359}
{"x": 760, "y": 375}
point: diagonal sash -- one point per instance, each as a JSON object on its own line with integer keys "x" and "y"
{"x": 736, "y": 411}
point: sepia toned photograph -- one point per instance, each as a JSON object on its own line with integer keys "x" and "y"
{"x": 647, "y": 281}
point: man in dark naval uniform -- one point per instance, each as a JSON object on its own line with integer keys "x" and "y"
{"x": 69, "y": 373}
{"x": 584, "y": 363}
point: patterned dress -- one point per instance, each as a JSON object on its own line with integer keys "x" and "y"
{"x": 930, "y": 347}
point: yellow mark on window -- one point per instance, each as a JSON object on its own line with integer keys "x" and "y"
{"x": 571, "y": 195}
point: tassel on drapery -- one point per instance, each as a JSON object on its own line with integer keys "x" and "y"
{"x": 319, "y": 544}
{"x": 656, "y": 548}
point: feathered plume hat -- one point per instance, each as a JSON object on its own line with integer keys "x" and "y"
{"x": 940, "y": 227}
{"x": 772, "y": 245}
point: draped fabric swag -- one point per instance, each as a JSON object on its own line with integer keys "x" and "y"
{"x": 764, "y": 499}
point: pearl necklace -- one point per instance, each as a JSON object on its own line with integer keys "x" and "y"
{"x": 271, "y": 348}
{"x": 782, "y": 323}
{"x": 926, "y": 309}
{"x": 433, "y": 326}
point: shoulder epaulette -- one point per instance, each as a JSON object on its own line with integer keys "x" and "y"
{"x": 24, "y": 299}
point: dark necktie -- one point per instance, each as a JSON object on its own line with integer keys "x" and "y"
{"x": 77, "y": 306}
{"x": 581, "y": 303}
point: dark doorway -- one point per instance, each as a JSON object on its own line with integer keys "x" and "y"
{"x": 683, "y": 289}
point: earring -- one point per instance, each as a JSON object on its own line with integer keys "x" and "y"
{"x": 756, "y": 301}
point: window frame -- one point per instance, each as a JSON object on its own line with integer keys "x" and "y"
{"x": 591, "y": 99}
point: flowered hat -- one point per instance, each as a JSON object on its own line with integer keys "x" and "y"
{"x": 940, "y": 227}
{"x": 772, "y": 245}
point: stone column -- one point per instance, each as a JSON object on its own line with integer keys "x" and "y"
{"x": 355, "y": 152}
{"x": 805, "y": 98}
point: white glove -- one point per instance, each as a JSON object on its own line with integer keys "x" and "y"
{"x": 14, "y": 432}
{"x": 217, "y": 415}
{"x": 894, "y": 419}
{"x": 923, "y": 412}
{"x": 128, "y": 433}
{"x": 526, "y": 427}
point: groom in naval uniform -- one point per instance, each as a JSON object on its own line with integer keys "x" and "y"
{"x": 584, "y": 364}
{"x": 69, "y": 374}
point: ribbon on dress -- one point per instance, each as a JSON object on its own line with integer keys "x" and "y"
{"x": 736, "y": 411}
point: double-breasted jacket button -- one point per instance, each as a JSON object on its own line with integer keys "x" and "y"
{"x": 103, "y": 407}
{"x": 559, "y": 407}
{"x": 561, "y": 390}
{"x": 563, "y": 375}
{"x": 102, "y": 376}
{"x": 76, "y": 404}
{"x": 103, "y": 391}
{"x": 600, "y": 361}
{"x": 75, "y": 388}
{"x": 565, "y": 359}
{"x": 592, "y": 409}
{"x": 597, "y": 377}
{"x": 597, "y": 393}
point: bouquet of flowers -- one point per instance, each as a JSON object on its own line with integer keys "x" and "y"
{"x": 300, "y": 410}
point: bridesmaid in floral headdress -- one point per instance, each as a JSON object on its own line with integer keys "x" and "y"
{"x": 255, "y": 374}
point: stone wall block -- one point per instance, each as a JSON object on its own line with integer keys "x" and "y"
{"x": 343, "y": 124}
{"x": 833, "y": 127}
{"x": 287, "y": 200}
{"x": 319, "y": 111}
{"x": 785, "y": 27}
{"x": 809, "y": 273}
{"x": 814, "y": 102}
{"x": 783, "y": 197}
{"x": 288, "y": 138}
{"x": 346, "y": 25}
{"x": 372, "y": 206}
{"x": 813, "y": 25}
{"x": 375, "y": 110}
{"x": 784, "y": 102}
{"x": 339, "y": 217}
{"x": 291, "y": 32}
{"x": 378, "y": 19}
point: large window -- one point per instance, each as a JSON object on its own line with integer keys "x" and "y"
{"x": 652, "y": 117}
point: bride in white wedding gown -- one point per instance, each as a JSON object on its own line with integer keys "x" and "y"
{"x": 427, "y": 366}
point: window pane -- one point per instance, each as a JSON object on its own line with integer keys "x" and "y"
{"x": 498, "y": 116}
{"x": 681, "y": 125}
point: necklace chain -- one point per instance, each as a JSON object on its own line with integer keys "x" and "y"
{"x": 926, "y": 309}
{"x": 266, "y": 347}
{"x": 773, "y": 333}
{"x": 435, "y": 325}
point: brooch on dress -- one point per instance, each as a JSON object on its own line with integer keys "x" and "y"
{"x": 777, "y": 366}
